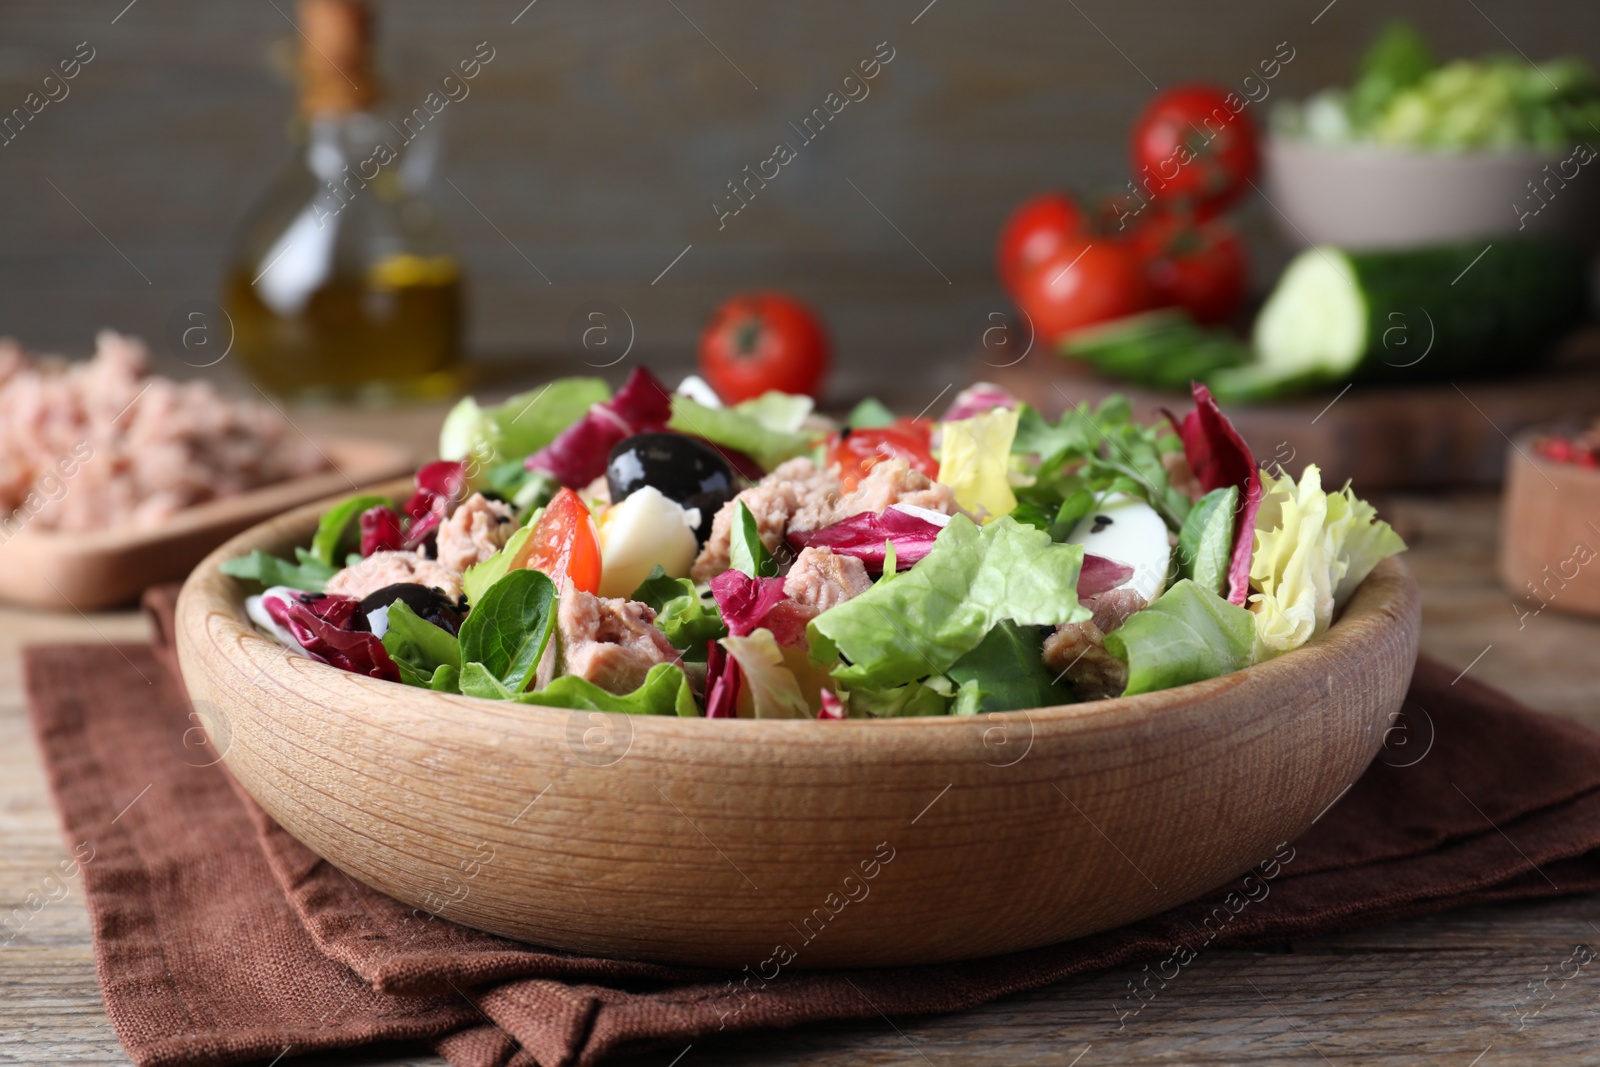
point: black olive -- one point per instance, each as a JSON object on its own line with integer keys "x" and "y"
{"x": 427, "y": 602}
{"x": 682, "y": 469}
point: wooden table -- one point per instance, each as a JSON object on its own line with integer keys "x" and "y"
{"x": 1439, "y": 990}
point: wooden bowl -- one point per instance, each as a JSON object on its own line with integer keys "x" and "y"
{"x": 104, "y": 568}
{"x": 855, "y": 843}
{"x": 1550, "y": 533}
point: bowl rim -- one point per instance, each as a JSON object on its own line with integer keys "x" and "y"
{"x": 1381, "y": 601}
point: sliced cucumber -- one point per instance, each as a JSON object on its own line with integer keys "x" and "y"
{"x": 1315, "y": 321}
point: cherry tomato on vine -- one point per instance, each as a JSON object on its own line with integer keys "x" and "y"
{"x": 1086, "y": 282}
{"x": 1034, "y": 232}
{"x": 1199, "y": 267}
{"x": 1188, "y": 144}
{"x": 762, "y": 341}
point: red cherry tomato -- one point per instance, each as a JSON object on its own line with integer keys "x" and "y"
{"x": 1084, "y": 283}
{"x": 762, "y": 341}
{"x": 1190, "y": 145}
{"x": 856, "y": 452}
{"x": 1035, "y": 231}
{"x": 565, "y": 545}
{"x": 1199, "y": 267}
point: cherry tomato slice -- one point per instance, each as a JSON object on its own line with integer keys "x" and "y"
{"x": 564, "y": 545}
{"x": 856, "y": 452}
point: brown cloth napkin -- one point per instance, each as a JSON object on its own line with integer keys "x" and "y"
{"x": 220, "y": 938}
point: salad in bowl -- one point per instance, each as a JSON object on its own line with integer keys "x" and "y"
{"x": 656, "y": 552}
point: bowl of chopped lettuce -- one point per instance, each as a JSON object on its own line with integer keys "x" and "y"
{"x": 1419, "y": 152}
{"x": 985, "y": 682}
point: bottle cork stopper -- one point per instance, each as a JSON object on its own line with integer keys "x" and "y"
{"x": 336, "y": 75}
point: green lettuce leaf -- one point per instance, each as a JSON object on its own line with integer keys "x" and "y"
{"x": 664, "y": 691}
{"x": 931, "y": 697}
{"x": 1205, "y": 544}
{"x": 1187, "y": 635}
{"x": 870, "y": 414}
{"x": 688, "y": 620}
{"x": 738, "y": 429}
{"x": 309, "y": 574}
{"x": 336, "y": 520}
{"x": 506, "y": 632}
{"x": 778, "y": 412}
{"x": 418, "y": 647}
{"x": 525, "y": 423}
{"x": 483, "y": 574}
{"x": 926, "y": 619}
{"x": 1005, "y": 672}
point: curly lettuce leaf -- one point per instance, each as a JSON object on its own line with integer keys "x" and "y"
{"x": 1312, "y": 549}
{"x": 928, "y": 617}
{"x": 1188, "y": 634}
{"x": 525, "y": 423}
{"x": 743, "y": 429}
{"x": 664, "y": 691}
{"x": 688, "y": 620}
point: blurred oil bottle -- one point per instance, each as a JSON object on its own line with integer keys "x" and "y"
{"x": 338, "y": 284}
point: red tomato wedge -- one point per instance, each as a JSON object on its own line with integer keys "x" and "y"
{"x": 856, "y": 452}
{"x": 565, "y": 545}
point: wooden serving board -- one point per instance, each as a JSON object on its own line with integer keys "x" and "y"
{"x": 1380, "y": 437}
{"x": 105, "y": 568}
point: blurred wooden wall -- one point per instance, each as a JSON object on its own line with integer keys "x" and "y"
{"x": 601, "y": 134}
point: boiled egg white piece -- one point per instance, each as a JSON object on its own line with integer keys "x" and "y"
{"x": 643, "y": 530}
{"x": 1126, "y": 529}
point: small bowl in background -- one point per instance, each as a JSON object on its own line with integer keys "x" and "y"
{"x": 1373, "y": 197}
{"x": 1550, "y": 532}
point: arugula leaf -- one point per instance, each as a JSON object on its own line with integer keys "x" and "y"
{"x": 483, "y": 574}
{"x": 664, "y": 691}
{"x": 1187, "y": 635}
{"x": 310, "y": 574}
{"x": 870, "y": 414}
{"x": 688, "y": 620}
{"x": 336, "y": 520}
{"x": 1007, "y": 673}
{"x": 418, "y": 647}
{"x": 929, "y": 617}
{"x": 1205, "y": 544}
{"x": 506, "y": 632}
{"x": 747, "y": 553}
{"x": 736, "y": 429}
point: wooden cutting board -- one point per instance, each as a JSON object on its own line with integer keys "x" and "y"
{"x": 104, "y": 568}
{"x": 1380, "y": 437}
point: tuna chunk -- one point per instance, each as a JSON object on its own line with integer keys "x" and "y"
{"x": 894, "y": 481}
{"x": 388, "y": 568}
{"x": 1077, "y": 650}
{"x": 474, "y": 532}
{"x": 821, "y": 579}
{"x": 792, "y": 487}
{"x": 609, "y": 641}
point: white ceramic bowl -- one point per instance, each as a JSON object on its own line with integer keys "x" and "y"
{"x": 1371, "y": 197}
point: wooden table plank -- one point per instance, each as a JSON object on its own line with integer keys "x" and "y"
{"x": 1435, "y": 990}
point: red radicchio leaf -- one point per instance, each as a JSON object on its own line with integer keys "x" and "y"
{"x": 1220, "y": 458}
{"x": 324, "y": 624}
{"x": 381, "y": 530}
{"x": 832, "y": 709}
{"x": 1100, "y": 575}
{"x": 747, "y": 604}
{"x": 439, "y": 486}
{"x": 863, "y": 535}
{"x": 723, "y": 682}
{"x": 578, "y": 454}
{"x": 976, "y": 399}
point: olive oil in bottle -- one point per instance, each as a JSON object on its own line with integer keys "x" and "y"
{"x": 339, "y": 285}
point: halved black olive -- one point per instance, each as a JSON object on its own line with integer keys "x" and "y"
{"x": 426, "y": 601}
{"x": 682, "y": 469}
